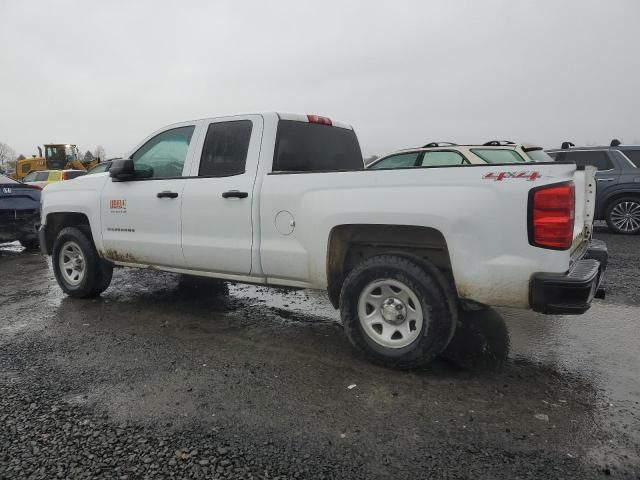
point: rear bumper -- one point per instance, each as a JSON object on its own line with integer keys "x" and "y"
{"x": 571, "y": 292}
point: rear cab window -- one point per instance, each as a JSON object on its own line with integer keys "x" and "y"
{"x": 498, "y": 155}
{"x": 314, "y": 147}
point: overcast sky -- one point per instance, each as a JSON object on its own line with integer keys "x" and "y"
{"x": 402, "y": 73}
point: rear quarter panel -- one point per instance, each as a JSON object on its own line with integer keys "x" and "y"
{"x": 484, "y": 222}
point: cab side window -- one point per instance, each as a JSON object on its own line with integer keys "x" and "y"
{"x": 225, "y": 149}
{"x": 164, "y": 155}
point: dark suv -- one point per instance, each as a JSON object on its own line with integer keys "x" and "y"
{"x": 618, "y": 177}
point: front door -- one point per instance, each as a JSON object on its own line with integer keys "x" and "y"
{"x": 217, "y": 232}
{"x": 141, "y": 217}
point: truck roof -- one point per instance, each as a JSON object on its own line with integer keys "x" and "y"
{"x": 297, "y": 117}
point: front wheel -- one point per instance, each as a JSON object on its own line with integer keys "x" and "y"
{"x": 623, "y": 215}
{"x": 399, "y": 311}
{"x": 79, "y": 270}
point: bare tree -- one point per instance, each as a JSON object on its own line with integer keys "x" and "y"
{"x": 6, "y": 153}
{"x": 99, "y": 152}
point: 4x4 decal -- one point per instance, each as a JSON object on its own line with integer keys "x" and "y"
{"x": 499, "y": 176}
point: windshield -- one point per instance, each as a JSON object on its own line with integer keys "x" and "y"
{"x": 538, "y": 155}
{"x": 497, "y": 155}
{"x": 30, "y": 177}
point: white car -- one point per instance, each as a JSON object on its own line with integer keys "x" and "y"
{"x": 42, "y": 178}
{"x": 440, "y": 154}
{"x": 284, "y": 200}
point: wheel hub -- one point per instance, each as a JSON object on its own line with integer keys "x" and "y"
{"x": 394, "y": 311}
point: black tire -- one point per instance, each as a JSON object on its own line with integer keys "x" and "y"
{"x": 432, "y": 291}
{"x": 611, "y": 222}
{"x": 30, "y": 244}
{"x": 97, "y": 273}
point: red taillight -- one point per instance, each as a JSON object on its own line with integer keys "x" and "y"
{"x": 64, "y": 175}
{"x": 319, "y": 119}
{"x": 551, "y": 216}
{"x": 37, "y": 187}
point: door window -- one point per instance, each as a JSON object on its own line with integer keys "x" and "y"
{"x": 225, "y": 149}
{"x": 596, "y": 158}
{"x": 42, "y": 176}
{"x": 401, "y": 160}
{"x": 164, "y": 155}
{"x": 442, "y": 159}
{"x": 498, "y": 155}
{"x": 54, "y": 176}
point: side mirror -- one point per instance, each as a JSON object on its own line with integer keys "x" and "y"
{"x": 122, "y": 170}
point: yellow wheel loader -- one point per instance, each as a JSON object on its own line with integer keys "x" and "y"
{"x": 59, "y": 156}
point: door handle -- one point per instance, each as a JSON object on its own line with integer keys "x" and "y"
{"x": 235, "y": 194}
{"x": 604, "y": 179}
{"x": 167, "y": 194}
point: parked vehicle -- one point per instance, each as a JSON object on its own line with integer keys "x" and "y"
{"x": 101, "y": 167}
{"x": 284, "y": 200}
{"x": 446, "y": 154}
{"x": 58, "y": 156}
{"x": 618, "y": 179}
{"x": 42, "y": 178}
{"x": 19, "y": 212}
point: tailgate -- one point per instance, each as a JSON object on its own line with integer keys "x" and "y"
{"x": 585, "y": 183}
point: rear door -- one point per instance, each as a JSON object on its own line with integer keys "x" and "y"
{"x": 141, "y": 217}
{"x": 217, "y": 229}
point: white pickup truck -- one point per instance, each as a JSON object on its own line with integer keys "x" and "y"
{"x": 284, "y": 200}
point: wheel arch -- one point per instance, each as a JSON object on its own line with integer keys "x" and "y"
{"x": 351, "y": 244}
{"x": 55, "y": 222}
{"x": 613, "y": 196}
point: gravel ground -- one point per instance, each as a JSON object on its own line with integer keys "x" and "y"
{"x": 158, "y": 379}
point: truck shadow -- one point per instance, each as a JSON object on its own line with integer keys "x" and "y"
{"x": 200, "y": 309}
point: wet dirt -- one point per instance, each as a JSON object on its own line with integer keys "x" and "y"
{"x": 517, "y": 394}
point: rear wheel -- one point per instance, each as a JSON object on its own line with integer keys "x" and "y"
{"x": 400, "y": 312}
{"x": 79, "y": 270}
{"x": 623, "y": 215}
